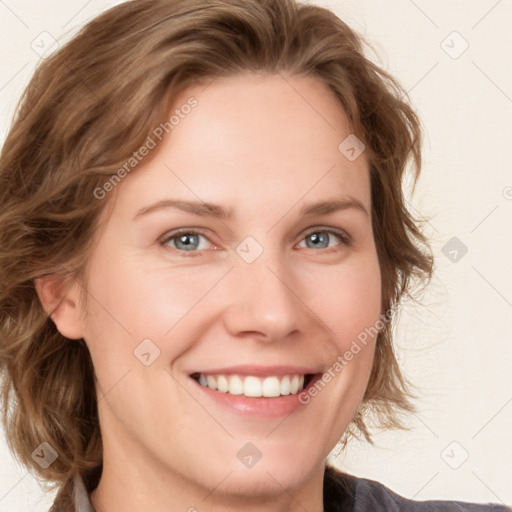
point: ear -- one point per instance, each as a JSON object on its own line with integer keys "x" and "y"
{"x": 61, "y": 302}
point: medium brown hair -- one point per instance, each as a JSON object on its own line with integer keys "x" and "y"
{"x": 94, "y": 102}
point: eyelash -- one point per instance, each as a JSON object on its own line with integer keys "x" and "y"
{"x": 345, "y": 238}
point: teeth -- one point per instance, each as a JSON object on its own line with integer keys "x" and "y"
{"x": 222, "y": 384}
{"x": 211, "y": 381}
{"x": 236, "y": 385}
{"x": 285, "y": 385}
{"x": 271, "y": 387}
{"x": 251, "y": 386}
{"x": 296, "y": 384}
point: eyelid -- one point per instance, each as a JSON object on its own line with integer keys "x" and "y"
{"x": 344, "y": 235}
{"x": 170, "y": 235}
{"x": 179, "y": 231}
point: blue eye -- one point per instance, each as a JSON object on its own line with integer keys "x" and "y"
{"x": 322, "y": 238}
{"x": 191, "y": 243}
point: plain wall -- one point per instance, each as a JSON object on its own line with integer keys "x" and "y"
{"x": 457, "y": 347}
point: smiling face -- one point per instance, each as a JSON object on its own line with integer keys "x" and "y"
{"x": 250, "y": 289}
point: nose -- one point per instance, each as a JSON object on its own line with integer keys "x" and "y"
{"x": 261, "y": 300}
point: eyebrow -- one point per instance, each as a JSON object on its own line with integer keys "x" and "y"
{"x": 204, "y": 209}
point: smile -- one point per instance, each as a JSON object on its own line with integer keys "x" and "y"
{"x": 253, "y": 386}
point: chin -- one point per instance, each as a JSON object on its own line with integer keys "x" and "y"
{"x": 266, "y": 482}
{"x": 274, "y": 471}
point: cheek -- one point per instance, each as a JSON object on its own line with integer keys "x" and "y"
{"x": 142, "y": 297}
{"x": 130, "y": 302}
{"x": 350, "y": 306}
{"x": 349, "y": 300}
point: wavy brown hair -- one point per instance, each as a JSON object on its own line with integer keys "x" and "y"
{"x": 94, "y": 102}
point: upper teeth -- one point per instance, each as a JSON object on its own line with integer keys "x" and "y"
{"x": 253, "y": 386}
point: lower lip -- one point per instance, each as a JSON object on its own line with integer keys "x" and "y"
{"x": 261, "y": 407}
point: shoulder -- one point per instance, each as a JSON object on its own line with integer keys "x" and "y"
{"x": 365, "y": 495}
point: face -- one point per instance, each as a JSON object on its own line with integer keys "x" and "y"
{"x": 217, "y": 267}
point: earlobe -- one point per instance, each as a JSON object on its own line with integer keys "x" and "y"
{"x": 61, "y": 301}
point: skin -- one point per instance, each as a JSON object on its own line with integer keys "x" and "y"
{"x": 262, "y": 146}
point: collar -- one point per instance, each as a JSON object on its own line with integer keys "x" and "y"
{"x": 81, "y": 500}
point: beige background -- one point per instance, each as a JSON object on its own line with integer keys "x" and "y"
{"x": 457, "y": 348}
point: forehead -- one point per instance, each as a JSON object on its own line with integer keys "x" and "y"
{"x": 263, "y": 140}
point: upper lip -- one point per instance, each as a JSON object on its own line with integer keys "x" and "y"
{"x": 259, "y": 371}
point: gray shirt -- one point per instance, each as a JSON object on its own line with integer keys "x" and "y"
{"x": 348, "y": 493}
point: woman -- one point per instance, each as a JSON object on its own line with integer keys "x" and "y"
{"x": 204, "y": 240}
